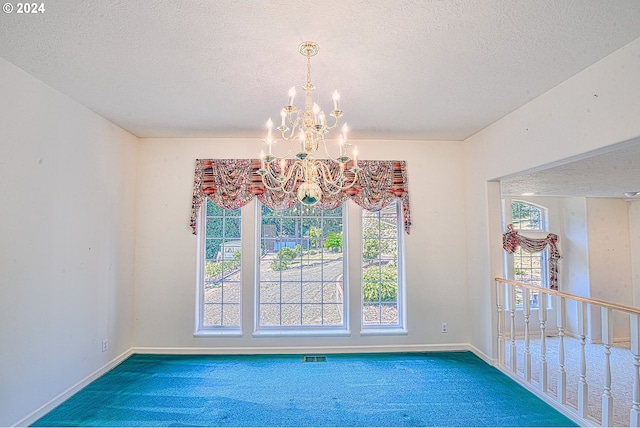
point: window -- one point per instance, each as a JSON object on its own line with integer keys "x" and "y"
{"x": 525, "y": 216}
{"x": 218, "y": 294}
{"x": 301, "y": 269}
{"x": 530, "y": 268}
{"x": 381, "y": 268}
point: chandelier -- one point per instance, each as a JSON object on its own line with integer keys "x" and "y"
{"x": 308, "y": 127}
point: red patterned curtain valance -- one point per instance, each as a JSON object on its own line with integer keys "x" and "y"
{"x": 511, "y": 240}
{"x": 232, "y": 183}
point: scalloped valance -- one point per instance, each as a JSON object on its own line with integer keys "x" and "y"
{"x": 511, "y": 240}
{"x": 232, "y": 183}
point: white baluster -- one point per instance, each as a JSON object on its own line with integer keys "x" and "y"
{"x": 512, "y": 305}
{"x": 634, "y": 419}
{"x": 607, "y": 339}
{"x": 583, "y": 388}
{"x": 500, "y": 289}
{"x": 562, "y": 374}
{"x": 527, "y": 350}
{"x": 542, "y": 311}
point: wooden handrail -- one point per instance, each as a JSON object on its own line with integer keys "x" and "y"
{"x": 602, "y": 303}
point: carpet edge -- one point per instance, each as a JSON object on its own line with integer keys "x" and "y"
{"x": 302, "y": 350}
{"x": 66, "y": 394}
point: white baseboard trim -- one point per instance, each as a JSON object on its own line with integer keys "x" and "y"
{"x": 484, "y": 357}
{"x": 303, "y": 349}
{"x": 47, "y": 407}
{"x": 571, "y": 413}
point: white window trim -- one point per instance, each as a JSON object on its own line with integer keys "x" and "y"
{"x": 532, "y": 233}
{"x": 401, "y": 327}
{"x": 200, "y": 329}
{"x": 301, "y": 331}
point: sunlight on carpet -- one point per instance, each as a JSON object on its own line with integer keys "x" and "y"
{"x": 412, "y": 389}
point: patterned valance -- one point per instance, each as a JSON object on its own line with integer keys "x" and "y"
{"x": 511, "y": 240}
{"x": 232, "y": 183}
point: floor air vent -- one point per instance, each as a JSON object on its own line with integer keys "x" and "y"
{"x": 314, "y": 359}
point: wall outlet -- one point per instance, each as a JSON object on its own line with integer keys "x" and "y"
{"x": 444, "y": 328}
{"x": 105, "y": 345}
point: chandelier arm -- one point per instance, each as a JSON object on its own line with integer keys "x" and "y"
{"x": 333, "y": 183}
{"x": 289, "y": 137}
{"x": 267, "y": 178}
{"x": 335, "y": 190}
{"x": 278, "y": 182}
{"x": 326, "y": 150}
{"x": 335, "y": 123}
{"x": 293, "y": 123}
{"x": 279, "y": 158}
{"x": 294, "y": 168}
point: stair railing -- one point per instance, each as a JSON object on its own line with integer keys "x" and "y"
{"x": 506, "y": 291}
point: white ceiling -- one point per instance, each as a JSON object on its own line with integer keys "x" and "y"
{"x": 420, "y": 69}
{"x": 406, "y": 69}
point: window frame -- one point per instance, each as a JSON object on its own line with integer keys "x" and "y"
{"x": 336, "y": 330}
{"x": 541, "y": 232}
{"x": 400, "y": 327}
{"x": 202, "y": 330}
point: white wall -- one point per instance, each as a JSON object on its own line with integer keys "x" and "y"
{"x": 166, "y": 250}
{"x": 634, "y": 239}
{"x": 566, "y": 121}
{"x": 66, "y": 248}
{"x": 574, "y": 266}
{"x": 593, "y": 239}
{"x": 609, "y": 261}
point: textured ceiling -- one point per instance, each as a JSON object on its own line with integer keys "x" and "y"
{"x": 429, "y": 69}
{"x": 607, "y": 174}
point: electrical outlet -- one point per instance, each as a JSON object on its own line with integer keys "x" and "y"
{"x": 444, "y": 328}
{"x": 105, "y": 345}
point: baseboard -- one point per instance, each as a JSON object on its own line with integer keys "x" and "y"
{"x": 47, "y": 407}
{"x": 568, "y": 412}
{"x": 484, "y": 357}
{"x": 303, "y": 349}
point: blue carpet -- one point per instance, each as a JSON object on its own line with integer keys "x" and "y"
{"x": 414, "y": 389}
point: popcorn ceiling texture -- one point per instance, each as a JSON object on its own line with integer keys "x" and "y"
{"x": 439, "y": 70}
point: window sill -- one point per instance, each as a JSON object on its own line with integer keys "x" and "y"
{"x": 384, "y": 331}
{"x": 218, "y": 332}
{"x": 301, "y": 333}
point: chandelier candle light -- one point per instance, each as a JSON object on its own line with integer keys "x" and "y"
{"x": 309, "y": 127}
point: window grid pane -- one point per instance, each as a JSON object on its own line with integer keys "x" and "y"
{"x": 380, "y": 279}
{"x": 221, "y": 282}
{"x": 527, "y": 217}
{"x": 301, "y": 267}
{"x": 528, "y": 267}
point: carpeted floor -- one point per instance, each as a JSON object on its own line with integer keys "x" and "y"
{"x": 413, "y": 389}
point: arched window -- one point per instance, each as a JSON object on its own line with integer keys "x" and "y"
{"x": 521, "y": 266}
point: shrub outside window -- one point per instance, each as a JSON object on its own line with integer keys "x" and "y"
{"x": 219, "y": 284}
{"x": 301, "y": 269}
{"x": 382, "y": 283}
